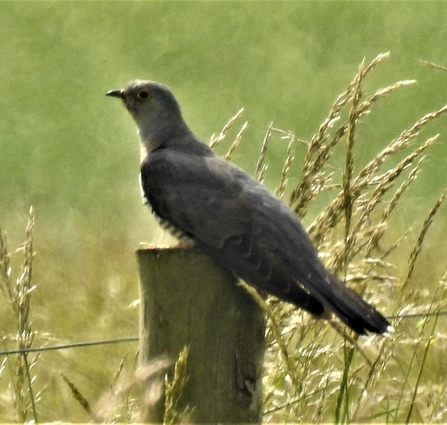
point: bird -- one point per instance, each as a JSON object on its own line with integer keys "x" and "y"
{"x": 230, "y": 216}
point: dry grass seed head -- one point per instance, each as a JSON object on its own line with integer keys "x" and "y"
{"x": 261, "y": 168}
{"x": 215, "y": 140}
{"x": 418, "y": 247}
{"x": 286, "y": 168}
{"x": 174, "y": 391}
{"x": 235, "y": 144}
{"x": 302, "y": 194}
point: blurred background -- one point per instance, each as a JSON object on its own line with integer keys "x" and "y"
{"x": 73, "y": 154}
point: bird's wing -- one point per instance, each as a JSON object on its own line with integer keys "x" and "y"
{"x": 248, "y": 230}
{"x": 291, "y": 246}
{"x": 206, "y": 199}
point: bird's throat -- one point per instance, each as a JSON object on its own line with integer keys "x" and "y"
{"x": 143, "y": 152}
{"x": 146, "y": 147}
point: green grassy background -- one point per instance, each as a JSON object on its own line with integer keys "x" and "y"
{"x": 73, "y": 154}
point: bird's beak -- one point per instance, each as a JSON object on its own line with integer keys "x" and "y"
{"x": 115, "y": 93}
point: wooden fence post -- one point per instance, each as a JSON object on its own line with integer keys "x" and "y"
{"x": 187, "y": 300}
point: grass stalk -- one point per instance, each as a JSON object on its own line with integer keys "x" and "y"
{"x": 418, "y": 247}
{"x": 18, "y": 293}
{"x": 421, "y": 368}
{"x": 174, "y": 390}
{"x": 261, "y": 168}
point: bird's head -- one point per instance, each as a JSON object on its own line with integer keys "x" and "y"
{"x": 154, "y": 109}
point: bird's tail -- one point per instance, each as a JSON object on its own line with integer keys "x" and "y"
{"x": 352, "y": 310}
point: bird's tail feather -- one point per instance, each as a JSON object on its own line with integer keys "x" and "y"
{"x": 352, "y": 310}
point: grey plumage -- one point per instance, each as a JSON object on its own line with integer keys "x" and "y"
{"x": 230, "y": 216}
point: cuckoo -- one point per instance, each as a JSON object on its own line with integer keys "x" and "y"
{"x": 230, "y": 216}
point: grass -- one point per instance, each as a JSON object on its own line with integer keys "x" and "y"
{"x": 315, "y": 370}
{"x": 18, "y": 292}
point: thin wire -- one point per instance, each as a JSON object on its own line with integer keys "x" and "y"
{"x": 415, "y": 315}
{"x": 74, "y": 345}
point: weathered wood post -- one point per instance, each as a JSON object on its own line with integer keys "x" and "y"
{"x": 187, "y": 300}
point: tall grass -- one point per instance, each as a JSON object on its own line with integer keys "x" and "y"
{"x": 317, "y": 370}
{"x": 343, "y": 378}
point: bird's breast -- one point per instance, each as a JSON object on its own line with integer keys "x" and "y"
{"x": 169, "y": 227}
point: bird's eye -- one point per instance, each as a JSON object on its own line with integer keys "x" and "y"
{"x": 143, "y": 94}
